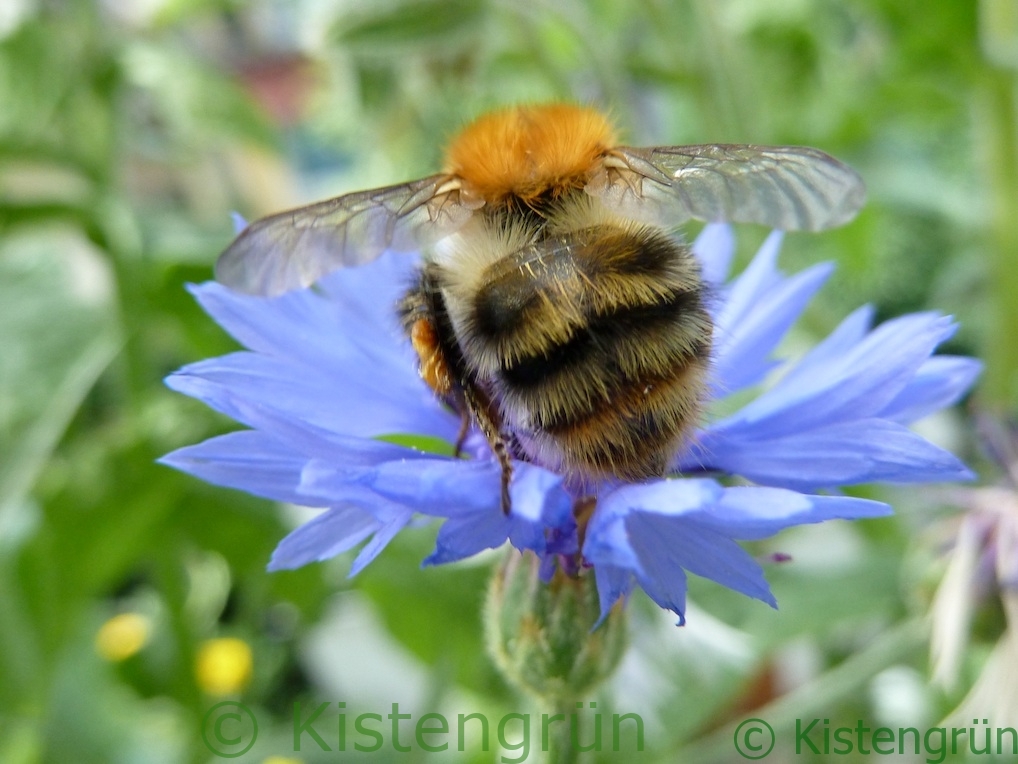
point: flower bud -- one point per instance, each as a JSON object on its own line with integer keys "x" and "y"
{"x": 541, "y": 635}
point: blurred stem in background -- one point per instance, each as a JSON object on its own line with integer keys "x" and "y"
{"x": 998, "y": 122}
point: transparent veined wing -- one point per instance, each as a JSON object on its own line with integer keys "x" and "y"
{"x": 784, "y": 187}
{"x": 295, "y": 248}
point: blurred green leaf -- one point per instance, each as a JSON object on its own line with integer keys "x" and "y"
{"x": 193, "y": 104}
{"x": 400, "y": 23}
{"x": 57, "y": 335}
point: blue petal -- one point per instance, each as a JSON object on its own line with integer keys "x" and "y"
{"x": 856, "y": 384}
{"x": 563, "y": 537}
{"x": 714, "y": 248}
{"x": 760, "y": 309}
{"x": 353, "y": 403}
{"x": 617, "y": 554}
{"x": 390, "y": 527}
{"x": 463, "y": 537}
{"x": 333, "y": 532}
{"x": 339, "y": 450}
{"x": 662, "y": 529}
{"x": 607, "y": 542}
{"x": 660, "y": 573}
{"x": 548, "y": 565}
{"x": 438, "y": 487}
{"x": 539, "y": 504}
{"x": 613, "y": 584}
{"x": 660, "y": 538}
{"x": 940, "y": 382}
{"x": 751, "y": 513}
{"x": 441, "y": 487}
{"x": 849, "y": 333}
{"x": 670, "y": 497}
{"x": 248, "y": 461}
{"x": 538, "y": 495}
{"x": 303, "y": 326}
{"x": 862, "y": 451}
{"x": 665, "y": 545}
{"x": 753, "y": 283}
{"x": 349, "y": 317}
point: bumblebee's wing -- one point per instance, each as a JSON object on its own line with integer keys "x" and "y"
{"x": 785, "y": 187}
{"x": 295, "y": 248}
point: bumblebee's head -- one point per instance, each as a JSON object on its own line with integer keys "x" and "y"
{"x": 529, "y": 153}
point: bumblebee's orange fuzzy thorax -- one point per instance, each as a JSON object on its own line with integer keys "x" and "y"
{"x": 529, "y": 151}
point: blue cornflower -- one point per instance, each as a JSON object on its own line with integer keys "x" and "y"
{"x": 328, "y": 377}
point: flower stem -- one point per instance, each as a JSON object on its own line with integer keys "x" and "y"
{"x": 561, "y": 749}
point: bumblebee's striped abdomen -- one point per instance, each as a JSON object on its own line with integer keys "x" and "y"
{"x": 595, "y": 344}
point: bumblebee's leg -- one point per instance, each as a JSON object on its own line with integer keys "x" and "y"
{"x": 487, "y": 419}
{"x": 464, "y": 429}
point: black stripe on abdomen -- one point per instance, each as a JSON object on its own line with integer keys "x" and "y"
{"x": 613, "y": 357}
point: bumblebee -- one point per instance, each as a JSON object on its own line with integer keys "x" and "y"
{"x": 553, "y": 308}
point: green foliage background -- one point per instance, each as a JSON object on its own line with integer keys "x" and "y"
{"x": 130, "y": 130}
